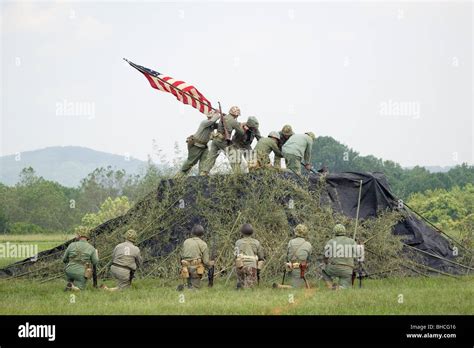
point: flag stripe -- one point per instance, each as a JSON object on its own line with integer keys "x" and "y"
{"x": 185, "y": 93}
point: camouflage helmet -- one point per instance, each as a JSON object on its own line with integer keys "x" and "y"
{"x": 274, "y": 135}
{"x": 287, "y": 130}
{"x": 83, "y": 231}
{"x": 252, "y": 122}
{"x": 234, "y": 111}
{"x": 301, "y": 230}
{"x": 339, "y": 230}
{"x": 311, "y": 134}
{"x": 131, "y": 235}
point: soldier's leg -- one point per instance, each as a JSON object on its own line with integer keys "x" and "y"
{"x": 277, "y": 162}
{"x": 235, "y": 158}
{"x": 345, "y": 278}
{"x": 250, "y": 276}
{"x": 202, "y": 160}
{"x": 77, "y": 279}
{"x": 194, "y": 153}
{"x": 293, "y": 163}
{"x": 240, "y": 277}
{"x": 295, "y": 279}
{"x": 215, "y": 147}
{"x": 328, "y": 276}
{"x": 195, "y": 277}
{"x": 121, "y": 275}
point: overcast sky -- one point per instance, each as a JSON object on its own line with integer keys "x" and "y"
{"x": 389, "y": 79}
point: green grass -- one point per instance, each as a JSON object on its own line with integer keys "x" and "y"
{"x": 437, "y": 295}
{"x": 42, "y": 241}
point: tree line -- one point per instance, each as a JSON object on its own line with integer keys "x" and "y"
{"x": 37, "y": 205}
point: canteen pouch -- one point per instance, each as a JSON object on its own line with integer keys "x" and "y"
{"x": 260, "y": 264}
{"x": 88, "y": 271}
{"x": 184, "y": 272}
{"x": 239, "y": 262}
{"x": 200, "y": 269}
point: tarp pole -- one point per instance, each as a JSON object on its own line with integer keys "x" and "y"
{"x": 358, "y": 208}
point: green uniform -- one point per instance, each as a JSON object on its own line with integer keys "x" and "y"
{"x": 219, "y": 143}
{"x": 299, "y": 250}
{"x": 242, "y": 142}
{"x": 278, "y": 157}
{"x": 197, "y": 145}
{"x": 125, "y": 260}
{"x": 263, "y": 149}
{"x": 77, "y": 255}
{"x": 249, "y": 251}
{"x": 339, "y": 266}
{"x": 297, "y": 149}
{"x": 196, "y": 253}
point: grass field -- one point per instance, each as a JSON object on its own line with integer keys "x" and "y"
{"x": 41, "y": 241}
{"x": 437, "y": 295}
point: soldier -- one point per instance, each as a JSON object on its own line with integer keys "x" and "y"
{"x": 263, "y": 149}
{"x": 197, "y": 144}
{"x": 219, "y": 143}
{"x": 194, "y": 257}
{"x": 339, "y": 255}
{"x": 285, "y": 134}
{"x": 241, "y": 143}
{"x": 297, "y": 149}
{"x": 249, "y": 258}
{"x": 79, "y": 258}
{"x": 126, "y": 259}
{"x": 299, "y": 255}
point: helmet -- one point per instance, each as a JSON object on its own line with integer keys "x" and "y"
{"x": 234, "y": 111}
{"x": 83, "y": 231}
{"x": 301, "y": 230}
{"x": 339, "y": 230}
{"x": 197, "y": 230}
{"x": 311, "y": 134}
{"x": 131, "y": 235}
{"x": 287, "y": 130}
{"x": 252, "y": 122}
{"x": 274, "y": 135}
{"x": 246, "y": 229}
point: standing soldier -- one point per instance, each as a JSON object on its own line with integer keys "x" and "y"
{"x": 126, "y": 259}
{"x": 337, "y": 265}
{"x": 263, "y": 149}
{"x": 219, "y": 143}
{"x": 297, "y": 149}
{"x": 249, "y": 258}
{"x": 285, "y": 134}
{"x": 197, "y": 144}
{"x": 79, "y": 258}
{"x": 194, "y": 257}
{"x": 299, "y": 254}
{"x": 242, "y": 143}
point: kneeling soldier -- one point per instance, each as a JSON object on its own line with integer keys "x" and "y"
{"x": 299, "y": 253}
{"x": 79, "y": 258}
{"x": 126, "y": 259}
{"x": 194, "y": 257}
{"x": 339, "y": 259}
{"x": 249, "y": 258}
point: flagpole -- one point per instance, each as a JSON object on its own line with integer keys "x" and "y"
{"x": 175, "y": 88}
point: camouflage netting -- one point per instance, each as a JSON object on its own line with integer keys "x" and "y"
{"x": 273, "y": 203}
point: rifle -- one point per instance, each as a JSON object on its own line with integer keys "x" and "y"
{"x": 321, "y": 171}
{"x": 226, "y": 133}
{"x": 210, "y": 272}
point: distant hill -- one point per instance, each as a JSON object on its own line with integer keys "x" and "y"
{"x": 66, "y": 165}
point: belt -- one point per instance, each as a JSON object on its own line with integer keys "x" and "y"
{"x": 122, "y": 266}
{"x": 194, "y": 262}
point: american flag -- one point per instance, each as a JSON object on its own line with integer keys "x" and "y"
{"x": 184, "y": 92}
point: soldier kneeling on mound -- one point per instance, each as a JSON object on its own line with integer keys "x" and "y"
{"x": 126, "y": 259}
{"x": 249, "y": 258}
{"x": 298, "y": 256}
{"x": 79, "y": 258}
{"x": 194, "y": 259}
{"x": 339, "y": 265}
